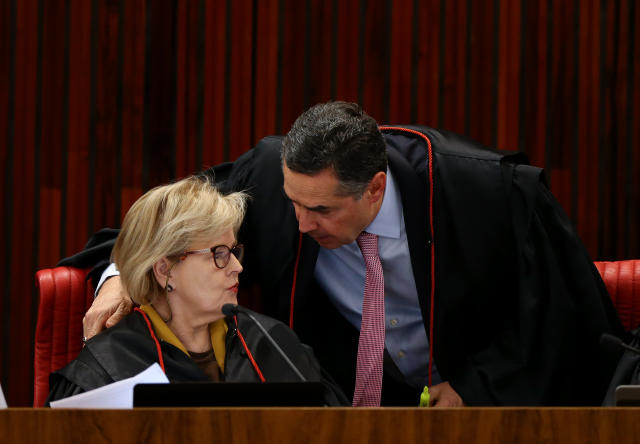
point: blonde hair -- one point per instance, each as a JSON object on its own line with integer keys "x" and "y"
{"x": 165, "y": 222}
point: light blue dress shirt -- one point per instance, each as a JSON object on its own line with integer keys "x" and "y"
{"x": 341, "y": 274}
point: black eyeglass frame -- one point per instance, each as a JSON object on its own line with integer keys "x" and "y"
{"x": 237, "y": 250}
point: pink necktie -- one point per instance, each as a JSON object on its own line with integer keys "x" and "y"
{"x": 371, "y": 344}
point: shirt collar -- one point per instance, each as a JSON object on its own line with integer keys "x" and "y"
{"x": 389, "y": 218}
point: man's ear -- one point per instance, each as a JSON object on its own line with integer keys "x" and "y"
{"x": 375, "y": 189}
{"x": 161, "y": 271}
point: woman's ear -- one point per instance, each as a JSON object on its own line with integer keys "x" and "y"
{"x": 161, "y": 271}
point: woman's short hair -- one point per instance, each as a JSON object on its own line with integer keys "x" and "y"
{"x": 165, "y": 222}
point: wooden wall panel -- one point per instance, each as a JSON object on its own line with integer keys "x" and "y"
{"x": 607, "y": 136}
{"x": 373, "y": 91}
{"x": 479, "y": 120}
{"x": 7, "y": 100}
{"x": 75, "y": 221}
{"x": 401, "y": 61}
{"x": 632, "y": 139}
{"x": 508, "y": 75}
{"x": 624, "y": 28}
{"x": 587, "y": 115}
{"x": 240, "y": 80}
{"x": 107, "y": 116}
{"x": 214, "y": 98}
{"x": 428, "y": 36}
{"x": 454, "y": 68}
{"x": 160, "y": 93}
{"x": 562, "y": 104}
{"x": 132, "y": 123}
{"x": 17, "y": 314}
{"x": 291, "y": 32}
{"x": 320, "y": 46}
{"x": 53, "y": 132}
{"x": 101, "y": 100}
{"x": 348, "y": 38}
{"x": 266, "y": 93}
{"x": 535, "y": 67}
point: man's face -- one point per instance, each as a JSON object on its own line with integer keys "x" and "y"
{"x": 331, "y": 219}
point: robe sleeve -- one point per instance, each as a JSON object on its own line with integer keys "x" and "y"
{"x": 82, "y": 374}
{"x": 547, "y": 350}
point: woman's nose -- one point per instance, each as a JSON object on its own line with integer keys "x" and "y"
{"x": 234, "y": 265}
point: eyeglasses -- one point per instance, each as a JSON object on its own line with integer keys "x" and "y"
{"x": 221, "y": 254}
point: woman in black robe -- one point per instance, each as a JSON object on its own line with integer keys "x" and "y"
{"x": 179, "y": 262}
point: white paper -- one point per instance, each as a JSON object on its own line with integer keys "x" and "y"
{"x": 118, "y": 395}
{"x": 3, "y": 402}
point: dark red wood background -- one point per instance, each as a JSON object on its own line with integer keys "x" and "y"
{"x": 100, "y": 100}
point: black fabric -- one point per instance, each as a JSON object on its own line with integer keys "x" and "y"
{"x": 519, "y": 305}
{"x": 628, "y": 370}
{"x": 127, "y": 349}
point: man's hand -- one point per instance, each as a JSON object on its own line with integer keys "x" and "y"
{"x": 110, "y": 305}
{"x": 443, "y": 395}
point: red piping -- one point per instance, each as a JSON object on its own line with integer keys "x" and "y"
{"x": 432, "y": 246}
{"x": 295, "y": 278}
{"x": 153, "y": 336}
{"x": 244, "y": 344}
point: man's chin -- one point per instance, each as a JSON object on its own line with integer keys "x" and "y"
{"x": 328, "y": 242}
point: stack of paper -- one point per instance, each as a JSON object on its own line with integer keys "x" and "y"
{"x": 118, "y": 395}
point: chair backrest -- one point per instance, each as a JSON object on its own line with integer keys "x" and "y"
{"x": 65, "y": 295}
{"x": 622, "y": 279}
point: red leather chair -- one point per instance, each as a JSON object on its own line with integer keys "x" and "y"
{"x": 622, "y": 279}
{"x": 65, "y": 295}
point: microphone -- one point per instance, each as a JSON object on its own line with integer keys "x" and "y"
{"x": 614, "y": 343}
{"x": 231, "y": 310}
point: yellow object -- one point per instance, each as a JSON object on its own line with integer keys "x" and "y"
{"x": 425, "y": 397}
{"x": 217, "y": 330}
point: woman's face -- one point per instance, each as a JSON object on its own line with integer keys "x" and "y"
{"x": 200, "y": 287}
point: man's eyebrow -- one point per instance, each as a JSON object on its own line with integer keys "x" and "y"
{"x": 317, "y": 208}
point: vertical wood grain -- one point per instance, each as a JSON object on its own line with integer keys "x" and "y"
{"x": 401, "y": 61}
{"x": 19, "y": 345}
{"x": 133, "y": 107}
{"x": 266, "y": 69}
{"x": 348, "y": 48}
{"x": 213, "y": 132}
{"x": 429, "y": 37}
{"x": 454, "y": 69}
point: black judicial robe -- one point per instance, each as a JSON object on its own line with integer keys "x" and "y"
{"x": 519, "y": 306}
{"x": 127, "y": 348}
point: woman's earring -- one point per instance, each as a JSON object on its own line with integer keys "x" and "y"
{"x": 169, "y": 288}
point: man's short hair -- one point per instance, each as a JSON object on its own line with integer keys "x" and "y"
{"x": 340, "y": 136}
{"x": 165, "y": 222}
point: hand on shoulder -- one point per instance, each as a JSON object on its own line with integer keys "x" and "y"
{"x": 110, "y": 305}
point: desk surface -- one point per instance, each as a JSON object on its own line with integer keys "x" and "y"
{"x": 321, "y": 425}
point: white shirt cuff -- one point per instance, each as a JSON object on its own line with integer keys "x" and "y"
{"x": 109, "y": 272}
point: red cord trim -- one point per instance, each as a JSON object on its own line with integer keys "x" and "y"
{"x": 295, "y": 278}
{"x": 244, "y": 344}
{"x": 153, "y": 336}
{"x": 432, "y": 245}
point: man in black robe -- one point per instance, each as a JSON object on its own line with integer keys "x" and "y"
{"x": 510, "y": 305}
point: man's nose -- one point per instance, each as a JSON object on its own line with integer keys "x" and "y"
{"x": 306, "y": 220}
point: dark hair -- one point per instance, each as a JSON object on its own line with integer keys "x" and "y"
{"x": 337, "y": 135}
